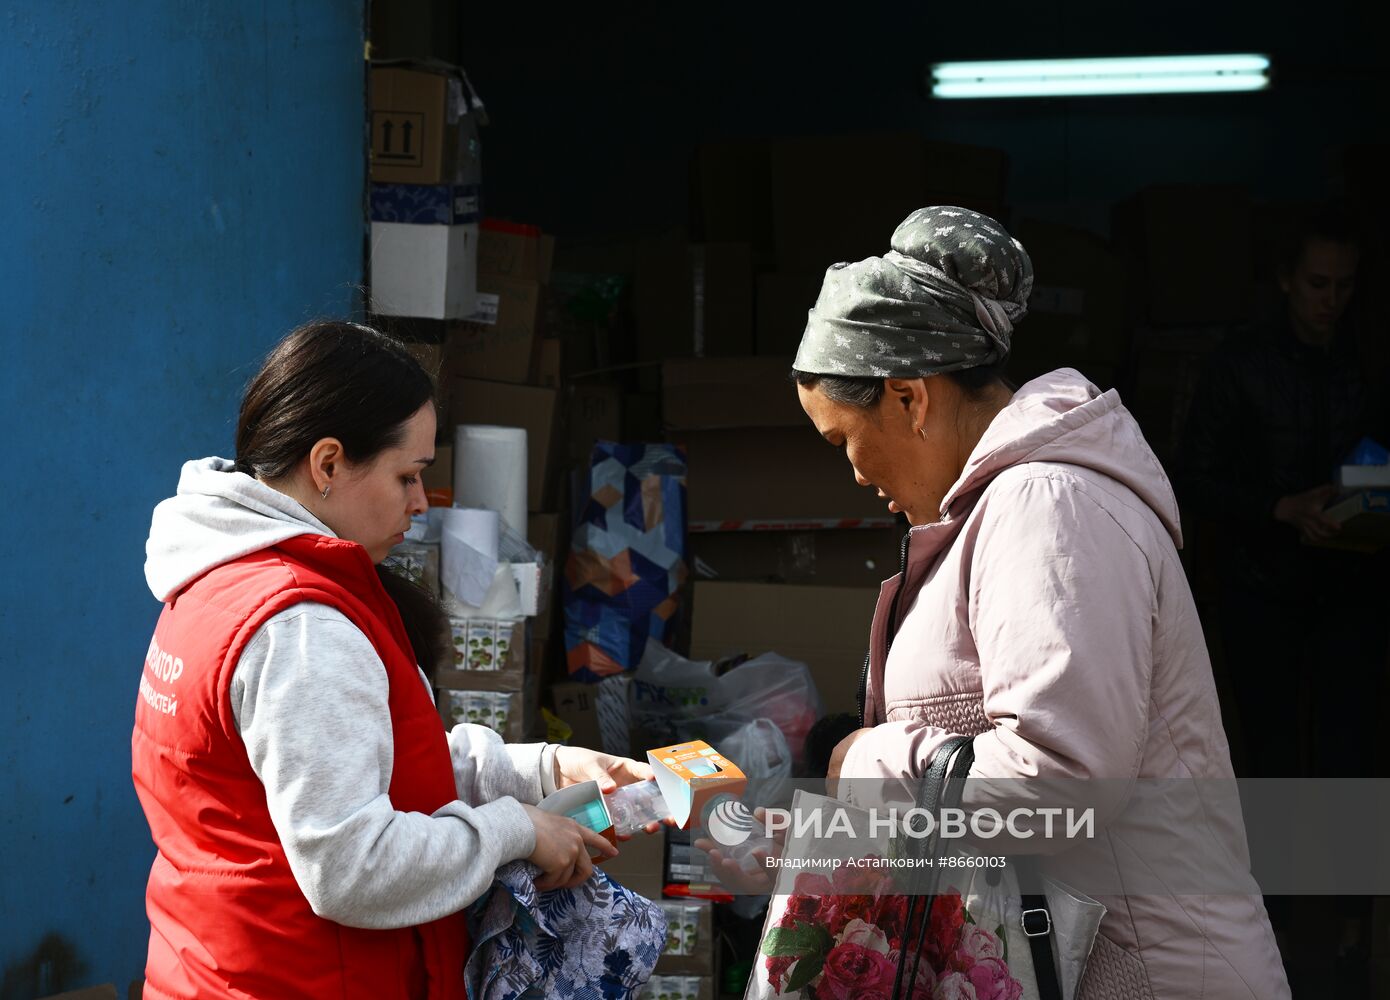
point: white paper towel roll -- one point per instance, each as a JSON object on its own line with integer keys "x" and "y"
{"x": 478, "y": 527}
{"x": 469, "y": 558}
{"x": 490, "y": 471}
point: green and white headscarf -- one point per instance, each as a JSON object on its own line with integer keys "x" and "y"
{"x": 945, "y": 298}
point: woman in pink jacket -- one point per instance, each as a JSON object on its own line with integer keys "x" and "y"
{"x": 1042, "y": 608}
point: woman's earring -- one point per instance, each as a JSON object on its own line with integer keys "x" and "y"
{"x": 326, "y": 489}
{"x": 922, "y": 431}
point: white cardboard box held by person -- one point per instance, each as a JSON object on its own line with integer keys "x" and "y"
{"x": 430, "y": 272}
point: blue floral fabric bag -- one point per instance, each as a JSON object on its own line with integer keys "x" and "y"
{"x": 597, "y": 941}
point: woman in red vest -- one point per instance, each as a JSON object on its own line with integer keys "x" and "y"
{"x": 318, "y": 833}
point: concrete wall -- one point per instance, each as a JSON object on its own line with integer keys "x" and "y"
{"x": 183, "y": 182}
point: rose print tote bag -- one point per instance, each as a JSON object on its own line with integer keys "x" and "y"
{"x": 864, "y": 925}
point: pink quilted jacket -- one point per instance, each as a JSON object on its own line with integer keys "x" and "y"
{"x": 1047, "y": 615}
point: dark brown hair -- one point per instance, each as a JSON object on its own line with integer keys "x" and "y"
{"x": 865, "y": 391}
{"x": 341, "y": 380}
{"x": 1333, "y": 221}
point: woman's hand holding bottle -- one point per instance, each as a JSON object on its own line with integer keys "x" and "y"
{"x": 563, "y": 850}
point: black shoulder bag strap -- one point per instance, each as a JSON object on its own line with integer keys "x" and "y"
{"x": 932, "y": 795}
{"x": 941, "y": 788}
{"x": 1037, "y": 927}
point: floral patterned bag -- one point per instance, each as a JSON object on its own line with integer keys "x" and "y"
{"x": 597, "y": 941}
{"x": 838, "y": 930}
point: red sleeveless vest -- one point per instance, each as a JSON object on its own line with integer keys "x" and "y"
{"x": 227, "y": 918}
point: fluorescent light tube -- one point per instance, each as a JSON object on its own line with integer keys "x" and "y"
{"x": 1086, "y": 77}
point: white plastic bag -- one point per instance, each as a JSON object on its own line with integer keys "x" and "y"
{"x": 760, "y": 750}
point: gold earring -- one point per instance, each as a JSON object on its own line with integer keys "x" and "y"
{"x": 326, "y": 489}
{"x": 922, "y": 431}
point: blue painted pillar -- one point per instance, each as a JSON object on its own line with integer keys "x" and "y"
{"x": 182, "y": 183}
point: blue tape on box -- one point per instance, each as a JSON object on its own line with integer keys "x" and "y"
{"x": 427, "y": 204}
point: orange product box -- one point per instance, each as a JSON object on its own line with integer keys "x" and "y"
{"x": 691, "y": 774}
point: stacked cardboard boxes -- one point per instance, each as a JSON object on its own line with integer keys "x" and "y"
{"x": 692, "y": 299}
{"x": 825, "y": 627}
{"x": 788, "y": 551}
{"x": 1183, "y": 312}
{"x": 801, "y": 204}
{"x": 1153, "y": 234}
{"x": 501, "y": 338}
{"x": 686, "y": 969}
{"x": 488, "y": 680}
{"x": 755, "y": 459}
{"x": 487, "y": 368}
{"x": 426, "y": 193}
{"x": 1079, "y": 315}
{"x": 490, "y": 683}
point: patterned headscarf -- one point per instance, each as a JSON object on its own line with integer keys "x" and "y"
{"x": 946, "y": 297}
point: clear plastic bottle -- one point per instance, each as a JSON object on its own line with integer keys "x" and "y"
{"x": 634, "y": 806}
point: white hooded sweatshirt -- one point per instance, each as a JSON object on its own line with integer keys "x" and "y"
{"x": 309, "y": 696}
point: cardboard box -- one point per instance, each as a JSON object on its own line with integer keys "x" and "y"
{"x": 496, "y": 647}
{"x": 827, "y": 628}
{"x": 874, "y": 182}
{"x": 547, "y": 261}
{"x": 540, "y": 658}
{"x": 663, "y": 298}
{"x": 517, "y": 681}
{"x": 722, "y": 283}
{"x": 440, "y": 475}
{"x": 589, "y": 313}
{"x": 515, "y": 250}
{"x": 533, "y": 584}
{"x": 500, "y": 341}
{"x": 584, "y": 804}
{"x": 642, "y": 416}
{"x": 689, "y": 938}
{"x": 423, "y": 131}
{"x": 574, "y": 703}
{"x": 424, "y": 271}
{"x": 544, "y": 534}
{"x": 706, "y": 393}
{"x": 593, "y": 412}
{"x": 474, "y": 401}
{"x": 504, "y": 712}
{"x": 1364, "y": 517}
{"x": 782, "y": 474}
{"x": 1153, "y": 231}
{"x": 731, "y": 194}
{"x": 640, "y": 864}
{"x": 784, "y": 298}
{"x": 1079, "y": 313}
{"x": 550, "y": 362}
{"x": 854, "y": 557}
{"x": 691, "y": 774}
{"x": 415, "y": 29}
{"x": 426, "y": 204}
{"x": 692, "y": 299}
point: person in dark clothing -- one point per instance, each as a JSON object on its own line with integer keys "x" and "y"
{"x": 1276, "y": 411}
{"x": 1302, "y": 622}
